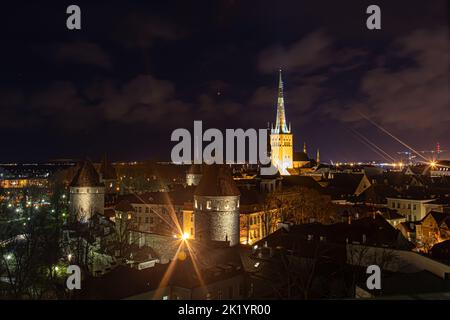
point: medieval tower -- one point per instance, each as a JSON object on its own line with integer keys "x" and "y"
{"x": 281, "y": 138}
{"x": 193, "y": 175}
{"x": 87, "y": 193}
{"x": 216, "y": 206}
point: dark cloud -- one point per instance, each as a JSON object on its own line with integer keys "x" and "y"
{"x": 142, "y": 29}
{"x": 75, "y": 52}
{"x": 61, "y": 106}
{"x": 143, "y": 99}
{"x": 310, "y": 52}
{"x": 142, "y": 70}
{"x": 412, "y": 97}
{"x": 83, "y": 53}
{"x": 10, "y": 112}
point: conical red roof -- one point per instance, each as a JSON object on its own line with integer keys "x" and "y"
{"x": 216, "y": 181}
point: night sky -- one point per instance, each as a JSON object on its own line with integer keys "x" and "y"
{"x": 137, "y": 70}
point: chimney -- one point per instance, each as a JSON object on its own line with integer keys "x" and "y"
{"x": 284, "y": 225}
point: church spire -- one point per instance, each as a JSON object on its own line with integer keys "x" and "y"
{"x": 304, "y": 147}
{"x": 281, "y": 124}
{"x": 318, "y": 157}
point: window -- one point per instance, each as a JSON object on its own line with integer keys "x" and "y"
{"x": 192, "y": 231}
{"x": 409, "y": 206}
{"x": 208, "y": 205}
{"x": 241, "y": 290}
{"x": 147, "y": 210}
{"x": 165, "y": 297}
{"x": 195, "y": 204}
{"x": 151, "y": 220}
{"x": 393, "y": 205}
{"x": 146, "y": 219}
{"x": 219, "y": 294}
{"x": 414, "y": 207}
{"x": 398, "y": 205}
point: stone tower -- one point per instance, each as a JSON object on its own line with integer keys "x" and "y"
{"x": 87, "y": 193}
{"x": 216, "y": 206}
{"x": 193, "y": 175}
{"x": 281, "y": 138}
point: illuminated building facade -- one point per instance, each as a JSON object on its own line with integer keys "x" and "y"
{"x": 281, "y": 138}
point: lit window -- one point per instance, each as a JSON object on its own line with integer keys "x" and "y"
{"x": 208, "y": 205}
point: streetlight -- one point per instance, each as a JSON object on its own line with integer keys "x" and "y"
{"x": 185, "y": 236}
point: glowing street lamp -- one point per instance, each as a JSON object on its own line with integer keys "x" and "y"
{"x": 185, "y": 236}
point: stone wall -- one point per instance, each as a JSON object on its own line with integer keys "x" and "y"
{"x": 86, "y": 201}
{"x": 217, "y": 218}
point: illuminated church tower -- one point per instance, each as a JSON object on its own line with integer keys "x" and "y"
{"x": 281, "y": 139}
